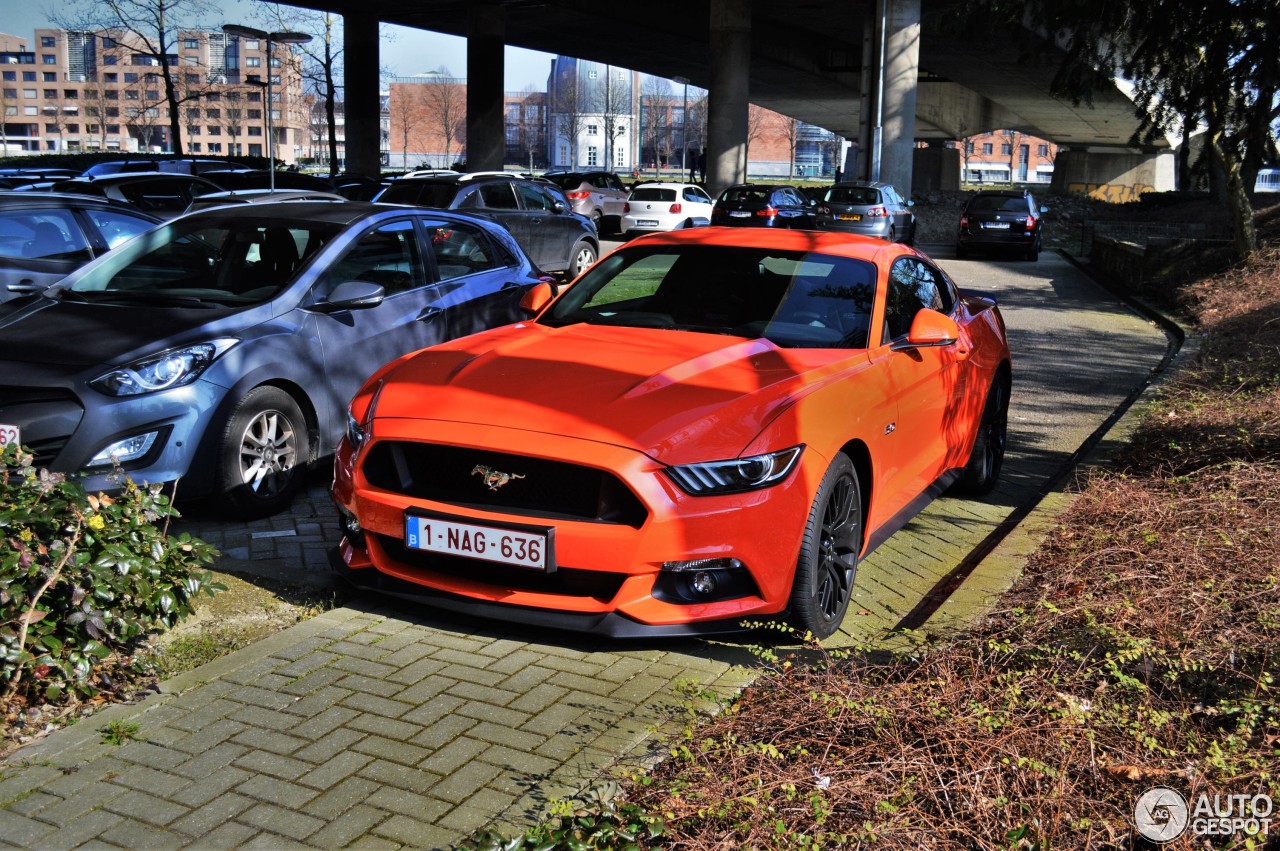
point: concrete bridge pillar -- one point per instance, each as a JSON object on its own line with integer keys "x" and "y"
{"x": 486, "y": 39}
{"x": 728, "y": 94}
{"x": 893, "y": 65}
{"x": 362, "y": 102}
{"x": 1113, "y": 175}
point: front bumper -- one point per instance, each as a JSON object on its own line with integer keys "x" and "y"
{"x": 611, "y": 574}
{"x": 66, "y": 424}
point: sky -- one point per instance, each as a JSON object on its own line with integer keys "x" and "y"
{"x": 404, "y": 51}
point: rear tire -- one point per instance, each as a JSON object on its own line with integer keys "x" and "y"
{"x": 582, "y": 256}
{"x": 262, "y": 455}
{"x": 982, "y": 473}
{"x": 828, "y": 561}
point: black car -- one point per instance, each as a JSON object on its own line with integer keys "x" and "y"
{"x": 764, "y": 206}
{"x": 555, "y": 238}
{"x": 1001, "y": 220}
{"x": 45, "y": 236}
{"x": 219, "y": 350}
{"x": 161, "y": 194}
{"x": 261, "y": 178}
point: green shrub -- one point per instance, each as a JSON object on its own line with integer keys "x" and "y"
{"x": 83, "y": 576}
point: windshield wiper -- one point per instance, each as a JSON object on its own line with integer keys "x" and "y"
{"x": 154, "y": 297}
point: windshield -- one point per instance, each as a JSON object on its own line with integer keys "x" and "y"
{"x": 196, "y": 260}
{"x": 792, "y": 298}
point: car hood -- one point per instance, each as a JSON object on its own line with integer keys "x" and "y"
{"x": 76, "y": 334}
{"x": 676, "y": 396}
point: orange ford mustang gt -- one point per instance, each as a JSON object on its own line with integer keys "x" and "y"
{"x": 707, "y": 426}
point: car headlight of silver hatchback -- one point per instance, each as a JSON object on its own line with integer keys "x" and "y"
{"x": 735, "y": 475}
{"x": 170, "y": 368}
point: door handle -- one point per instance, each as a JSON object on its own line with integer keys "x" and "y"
{"x": 24, "y": 287}
{"x": 430, "y": 313}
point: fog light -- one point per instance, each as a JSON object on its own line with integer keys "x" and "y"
{"x": 351, "y": 527}
{"x": 123, "y": 451}
{"x": 703, "y": 583}
{"x": 703, "y": 580}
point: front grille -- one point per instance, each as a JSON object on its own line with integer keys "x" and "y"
{"x": 535, "y": 487}
{"x": 565, "y": 581}
{"x": 56, "y": 410}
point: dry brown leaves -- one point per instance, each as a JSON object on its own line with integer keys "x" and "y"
{"x": 1135, "y": 651}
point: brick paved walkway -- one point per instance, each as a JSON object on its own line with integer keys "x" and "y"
{"x": 374, "y": 725}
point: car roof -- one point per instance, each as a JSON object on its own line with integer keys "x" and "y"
{"x": 1003, "y": 193}
{"x": 665, "y": 184}
{"x": 137, "y": 176}
{"x": 64, "y": 200}
{"x": 820, "y": 242}
{"x": 328, "y": 212}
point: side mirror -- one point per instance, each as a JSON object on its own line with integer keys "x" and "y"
{"x": 1044, "y": 209}
{"x": 910, "y": 203}
{"x": 537, "y": 297}
{"x": 929, "y": 329}
{"x": 559, "y": 206}
{"x": 351, "y": 295}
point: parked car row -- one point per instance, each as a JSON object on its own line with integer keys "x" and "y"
{"x": 420, "y": 345}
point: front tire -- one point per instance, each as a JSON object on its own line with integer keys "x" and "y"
{"x": 262, "y": 455}
{"x": 581, "y": 258}
{"x": 828, "y": 559}
{"x": 987, "y": 457}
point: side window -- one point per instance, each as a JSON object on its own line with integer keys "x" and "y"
{"x": 913, "y": 286}
{"x": 462, "y": 249}
{"x": 388, "y": 256}
{"x": 116, "y": 227}
{"x": 42, "y": 235}
{"x": 534, "y": 198}
{"x": 498, "y": 196}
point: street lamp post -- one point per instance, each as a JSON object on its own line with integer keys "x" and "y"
{"x": 270, "y": 38}
{"x": 684, "y": 124}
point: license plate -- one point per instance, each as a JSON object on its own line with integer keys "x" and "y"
{"x": 849, "y": 218}
{"x": 740, "y": 214}
{"x": 9, "y": 435}
{"x": 646, "y": 223}
{"x": 528, "y": 547}
{"x": 996, "y": 225}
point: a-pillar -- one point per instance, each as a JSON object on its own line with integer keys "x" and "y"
{"x": 362, "y": 103}
{"x": 486, "y": 137}
{"x": 896, "y": 53}
{"x": 729, "y": 93}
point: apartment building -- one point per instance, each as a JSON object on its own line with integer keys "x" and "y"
{"x": 101, "y": 91}
{"x": 1006, "y": 156}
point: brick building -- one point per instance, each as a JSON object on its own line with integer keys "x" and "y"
{"x": 100, "y": 91}
{"x": 1006, "y": 156}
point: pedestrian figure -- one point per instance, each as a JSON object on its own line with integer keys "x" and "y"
{"x": 702, "y": 165}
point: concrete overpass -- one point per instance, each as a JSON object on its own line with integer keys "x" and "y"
{"x": 817, "y": 60}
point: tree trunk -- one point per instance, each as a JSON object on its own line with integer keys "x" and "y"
{"x": 1245, "y": 233}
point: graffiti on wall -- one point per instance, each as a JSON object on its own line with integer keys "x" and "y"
{"x": 1116, "y": 193}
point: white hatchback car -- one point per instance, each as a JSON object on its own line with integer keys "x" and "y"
{"x": 655, "y": 207}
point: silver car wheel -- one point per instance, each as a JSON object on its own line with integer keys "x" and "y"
{"x": 267, "y": 449}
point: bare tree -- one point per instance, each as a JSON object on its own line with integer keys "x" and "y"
{"x": 790, "y": 129}
{"x": 147, "y": 29}
{"x": 612, "y": 99}
{"x": 757, "y": 124}
{"x": 319, "y": 60}
{"x": 445, "y": 110}
{"x": 655, "y": 127}
{"x": 569, "y": 110}
{"x": 529, "y": 124}
{"x": 6, "y": 109}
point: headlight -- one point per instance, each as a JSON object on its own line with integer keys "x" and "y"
{"x": 355, "y": 431}
{"x": 737, "y": 474}
{"x": 171, "y": 368}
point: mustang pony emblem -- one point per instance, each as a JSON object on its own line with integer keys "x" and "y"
{"x": 494, "y": 478}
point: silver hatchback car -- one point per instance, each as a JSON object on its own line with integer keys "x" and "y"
{"x": 870, "y": 209}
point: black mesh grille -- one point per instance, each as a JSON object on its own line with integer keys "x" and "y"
{"x": 51, "y": 404}
{"x": 535, "y": 487}
{"x": 565, "y": 581}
